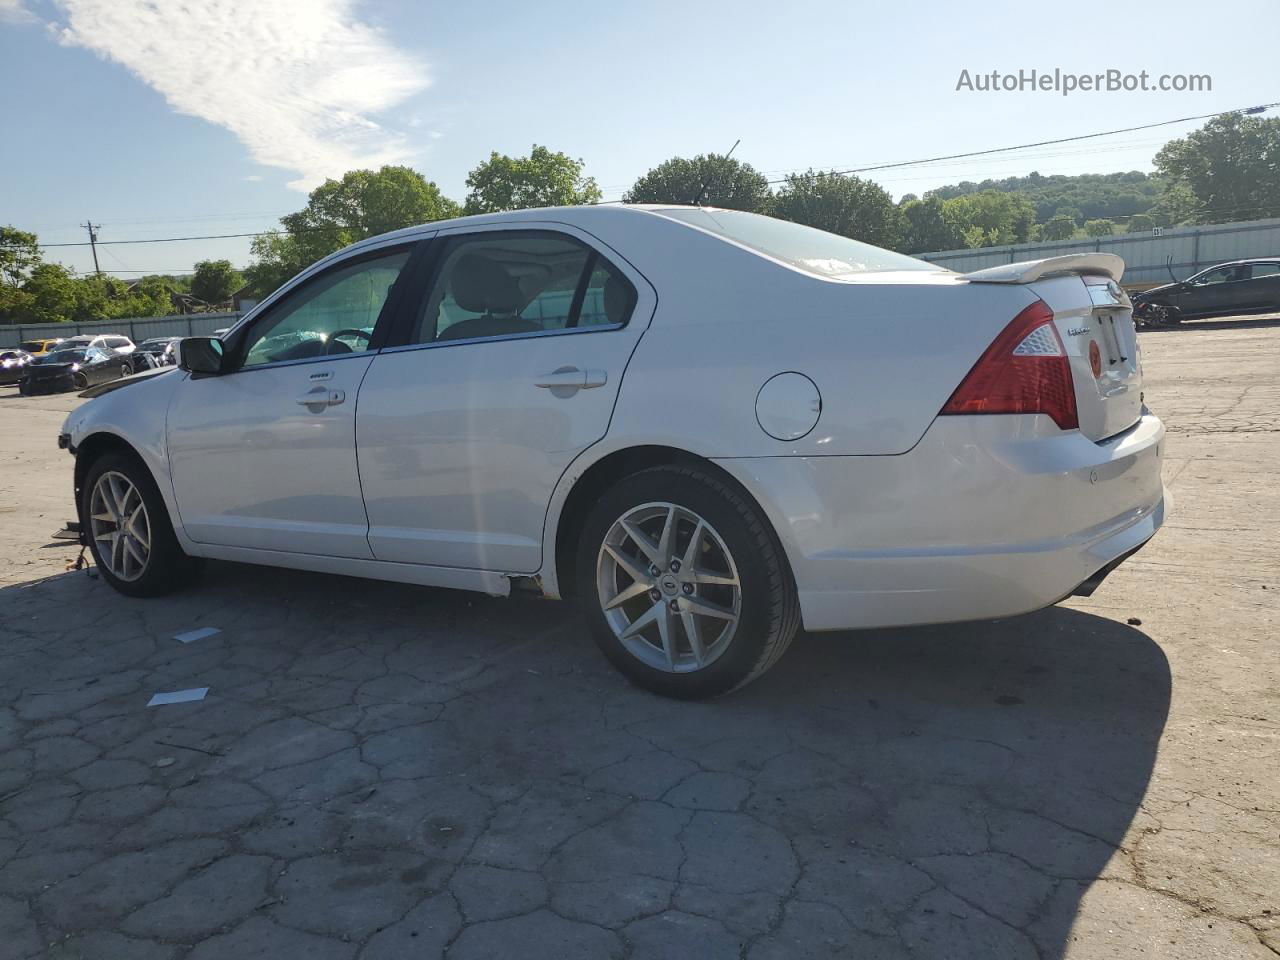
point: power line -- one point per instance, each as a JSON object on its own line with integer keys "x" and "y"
{"x": 1028, "y": 146}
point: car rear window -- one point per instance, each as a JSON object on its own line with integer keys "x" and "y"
{"x": 816, "y": 251}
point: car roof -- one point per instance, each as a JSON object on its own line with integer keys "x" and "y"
{"x": 1238, "y": 263}
{"x": 582, "y": 215}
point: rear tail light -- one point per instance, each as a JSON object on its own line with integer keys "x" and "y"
{"x": 1025, "y": 370}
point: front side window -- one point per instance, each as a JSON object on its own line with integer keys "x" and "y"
{"x": 330, "y": 315}
{"x": 511, "y": 284}
{"x": 1220, "y": 275}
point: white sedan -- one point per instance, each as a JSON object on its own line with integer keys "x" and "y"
{"x": 710, "y": 427}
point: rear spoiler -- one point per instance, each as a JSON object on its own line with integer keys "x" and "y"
{"x": 1029, "y": 271}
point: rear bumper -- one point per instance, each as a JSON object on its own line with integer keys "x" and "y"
{"x": 986, "y": 517}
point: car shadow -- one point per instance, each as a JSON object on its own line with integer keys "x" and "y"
{"x": 933, "y": 791}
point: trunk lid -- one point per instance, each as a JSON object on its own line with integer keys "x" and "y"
{"x": 1094, "y": 318}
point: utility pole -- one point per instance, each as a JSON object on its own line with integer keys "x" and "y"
{"x": 93, "y": 240}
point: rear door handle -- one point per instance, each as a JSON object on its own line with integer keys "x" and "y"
{"x": 321, "y": 397}
{"x": 573, "y": 378}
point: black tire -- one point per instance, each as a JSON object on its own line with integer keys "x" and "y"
{"x": 79, "y": 381}
{"x": 770, "y": 611}
{"x": 126, "y": 370}
{"x": 167, "y": 567}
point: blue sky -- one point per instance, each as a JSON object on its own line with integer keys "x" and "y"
{"x": 172, "y": 119}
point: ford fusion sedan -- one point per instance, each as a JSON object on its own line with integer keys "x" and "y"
{"x": 709, "y": 427}
{"x": 1228, "y": 289}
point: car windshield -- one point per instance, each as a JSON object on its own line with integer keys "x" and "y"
{"x": 32, "y": 346}
{"x": 816, "y": 251}
{"x": 67, "y": 356}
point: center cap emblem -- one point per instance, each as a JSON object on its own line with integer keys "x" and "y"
{"x": 669, "y": 585}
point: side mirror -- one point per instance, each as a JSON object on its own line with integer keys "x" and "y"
{"x": 201, "y": 355}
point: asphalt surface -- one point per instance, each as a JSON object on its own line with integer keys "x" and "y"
{"x": 382, "y": 771}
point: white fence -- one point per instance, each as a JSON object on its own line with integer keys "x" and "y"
{"x": 1148, "y": 257}
{"x": 137, "y": 329}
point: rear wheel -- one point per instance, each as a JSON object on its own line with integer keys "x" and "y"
{"x": 129, "y": 531}
{"x": 684, "y": 585}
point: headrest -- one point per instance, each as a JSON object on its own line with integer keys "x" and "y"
{"x": 481, "y": 285}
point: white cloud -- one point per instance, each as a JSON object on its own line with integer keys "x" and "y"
{"x": 12, "y": 11}
{"x": 298, "y": 81}
{"x": 253, "y": 177}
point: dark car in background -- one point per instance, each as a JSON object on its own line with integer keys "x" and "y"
{"x": 12, "y": 365}
{"x": 1228, "y": 289}
{"x": 161, "y": 351}
{"x": 75, "y": 368}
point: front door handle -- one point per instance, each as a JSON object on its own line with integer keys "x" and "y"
{"x": 321, "y": 397}
{"x": 572, "y": 378}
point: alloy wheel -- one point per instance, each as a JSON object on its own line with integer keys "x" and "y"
{"x": 668, "y": 587}
{"x": 120, "y": 526}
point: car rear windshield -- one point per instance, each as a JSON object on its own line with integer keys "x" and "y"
{"x": 826, "y": 254}
{"x": 32, "y": 346}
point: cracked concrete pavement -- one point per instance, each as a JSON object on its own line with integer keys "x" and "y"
{"x": 382, "y": 771}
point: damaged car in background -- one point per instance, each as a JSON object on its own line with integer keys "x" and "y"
{"x": 710, "y": 428}
{"x": 75, "y": 367}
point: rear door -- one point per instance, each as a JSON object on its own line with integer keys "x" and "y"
{"x": 1264, "y": 285}
{"x": 507, "y": 369}
{"x": 264, "y": 456}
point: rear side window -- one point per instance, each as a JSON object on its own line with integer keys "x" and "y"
{"x": 1261, "y": 270}
{"x": 815, "y": 251}
{"x": 520, "y": 283}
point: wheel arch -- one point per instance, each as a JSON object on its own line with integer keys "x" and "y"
{"x": 604, "y": 473}
{"x": 93, "y": 448}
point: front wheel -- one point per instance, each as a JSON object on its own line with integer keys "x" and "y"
{"x": 79, "y": 381}
{"x": 128, "y": 528}
{"x": 684, "y": 585}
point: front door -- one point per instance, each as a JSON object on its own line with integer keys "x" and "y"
{"x": 1213, "y": 291}
{"x": 263, "y": 456}
{"x": 506, "y": 372}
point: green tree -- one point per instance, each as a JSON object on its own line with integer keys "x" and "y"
{"x": 990, "y": 217}
{"x": 364, "y": 203}
{"x": 19, "y": 252}
{"x": 1231, "y": 166}
{"x": 56, "y": 296}
{"x": 1139, "y": 224}
{"x": 1177, "y": 206}
{"x": 1099, "y": 228}
{"x": 724, "y": 182}
{"x": 542, "y": 179}
{"x": 926, "y": 227}
{"x": 1059, "y": 228}
{"x": 215, "y": 281}
{"x": 847, "y": 205}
